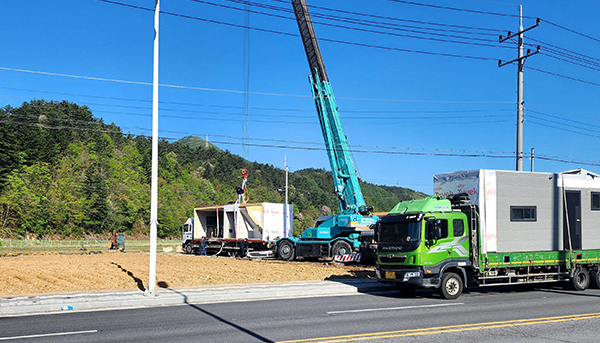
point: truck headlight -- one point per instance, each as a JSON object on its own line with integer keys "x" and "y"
{"x": 408, "y": 275}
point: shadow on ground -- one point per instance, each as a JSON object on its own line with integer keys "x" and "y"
{"x": 138, "y": 281}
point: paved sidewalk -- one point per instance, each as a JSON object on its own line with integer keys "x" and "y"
{"x": 14, "y": 305}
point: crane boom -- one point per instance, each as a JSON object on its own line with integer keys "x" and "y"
{"x": 342, "y": 167}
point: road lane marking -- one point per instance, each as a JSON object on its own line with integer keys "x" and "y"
{"x": 447, "y": 329}
{"x": 49, "y": 335}
{"x": 393, "y": 308}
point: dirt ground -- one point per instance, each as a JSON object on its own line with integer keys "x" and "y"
{"x": 51, "y": 274}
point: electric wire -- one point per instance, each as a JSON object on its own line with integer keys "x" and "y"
{"x": 482, "y": 154}
{"x": 569, "y": 61}
{"x": 572, "y": 31}
{"x": 366, "y": 45}
{"x": 257, "y": 93}
{"x": 563, "y": 76}
{"x": 561, "y": 111}
{"x": 278, "y": 109}
{"x": 459, "y": 9}
{"x": 566, "y": 51}
{"x": 496, "y": 31}
{"x": 353, "y": 21}
{"x": 366, "y": 23}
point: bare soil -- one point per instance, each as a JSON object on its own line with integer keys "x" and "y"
{"x": 51, "y": 274}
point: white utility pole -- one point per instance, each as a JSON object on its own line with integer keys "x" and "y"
{"x": 520, "y": 61}
{"x": 154, "y": 187}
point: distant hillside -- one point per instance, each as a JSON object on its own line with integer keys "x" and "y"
{"x": 65, "y": 173}
{"x": 195, "y": 142}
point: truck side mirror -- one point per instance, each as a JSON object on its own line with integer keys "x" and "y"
{"x": 433, "y": 232}
{"x": 437, "y": 233}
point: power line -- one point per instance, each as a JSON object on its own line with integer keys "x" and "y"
{"x": 562, "y": 128}
{"x": 296, "y": 35}
{"x": 496, "y": 31}
{"x": 565, "y": 125}
{"x": 562, "y": 49}
{"x": 364, "y": 23}
{"x": 566, "y": 112}
{"x": 561, "y": 118}
{"x": 564, "y": 76}
{"x": 572, "y": 31}
{"x": 220, "y": 142}
{"x": 569, "y": 61}
{"x": 452, "y": 153}
{"x": 278, "y": 109}
{"x": 458, "y": 9}
{"x": 256, "y": 93}
{"x": 256, "y": 139}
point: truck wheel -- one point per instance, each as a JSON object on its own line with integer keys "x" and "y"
{"x": 405, "y": 289}
{"x": 286, "y": 250}
{"x": 188, "y": 248}
{"x": 452, "y": 286}
{"x": 580, "y": 280}
{"x": 341, "y": 248}
{"x": 595, "y": 276}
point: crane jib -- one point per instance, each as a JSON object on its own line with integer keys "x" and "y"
{"x": 347, "y": 187}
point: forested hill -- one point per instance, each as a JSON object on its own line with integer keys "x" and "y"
{"x": 65, "y": 173}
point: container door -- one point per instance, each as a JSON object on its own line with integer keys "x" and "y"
{"x": 573, "y": 216}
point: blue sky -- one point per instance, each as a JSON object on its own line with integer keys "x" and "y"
{"x": 403, "y": 112}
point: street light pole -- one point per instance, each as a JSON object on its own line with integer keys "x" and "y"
{"x": 154, "y": 177}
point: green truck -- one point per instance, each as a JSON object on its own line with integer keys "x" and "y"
{"x": 492, "y": 227}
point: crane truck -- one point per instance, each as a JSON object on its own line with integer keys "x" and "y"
{"x": 349, "y": 231}
{"x": 493, "y": 227}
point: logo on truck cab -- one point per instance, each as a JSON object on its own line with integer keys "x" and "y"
{"x": 391, "y": 247}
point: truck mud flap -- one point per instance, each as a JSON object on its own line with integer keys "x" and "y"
{"x": 347, "y": 258}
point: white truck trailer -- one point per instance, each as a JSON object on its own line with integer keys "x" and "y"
{"x": 225, "y": 226}
{"x": 493, "y": 227}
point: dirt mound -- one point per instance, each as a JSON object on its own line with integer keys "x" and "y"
{"x": 46, "y": 274}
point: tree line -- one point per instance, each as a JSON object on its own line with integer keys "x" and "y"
{"x": 65, "y": 173}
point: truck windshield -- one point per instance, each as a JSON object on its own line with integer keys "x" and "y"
{"x": 400, "y": 232}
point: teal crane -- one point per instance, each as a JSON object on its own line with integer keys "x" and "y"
{"x": 340, "y": 234}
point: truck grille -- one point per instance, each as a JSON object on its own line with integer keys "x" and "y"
{"x": 392, "y": 258}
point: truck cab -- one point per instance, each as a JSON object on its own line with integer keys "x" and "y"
{"x": 187, "y": 236}
{"x": 424, "y": 244}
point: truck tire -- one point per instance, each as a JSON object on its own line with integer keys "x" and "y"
{"x": 595, "y": 278}
{"x": 285, "y": 250}
{"x": 341, "y": 248}
{"x": 405, "y": 289}
{"x": 452, "y": 286}
{"x": 580, "y": 280}
{"x": 188, "y": 248}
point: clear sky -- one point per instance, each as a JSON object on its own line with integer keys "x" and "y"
{"x": 408, "y": 115}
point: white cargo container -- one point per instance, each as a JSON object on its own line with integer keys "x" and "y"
{"x": 525, "y": 211}
{"x": 224, "y": 226}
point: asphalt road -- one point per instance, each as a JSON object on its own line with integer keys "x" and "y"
{"x": 493, "y": 315}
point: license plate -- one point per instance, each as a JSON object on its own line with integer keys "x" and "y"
{"x": 390, "y": 275}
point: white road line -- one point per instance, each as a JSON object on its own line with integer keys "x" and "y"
{"x": 393, "y": 308}
{"x": 48, "y": 335}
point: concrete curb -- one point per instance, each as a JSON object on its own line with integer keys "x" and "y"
{"x": 19, "y": 305}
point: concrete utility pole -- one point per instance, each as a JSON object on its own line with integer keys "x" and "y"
{"x": 286, "y": 180}
{"x": 520, "y": 61}
{"x": 154, "y": 177}
{"x": 532, "y": 157}
{"x": 287, "y": 207}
